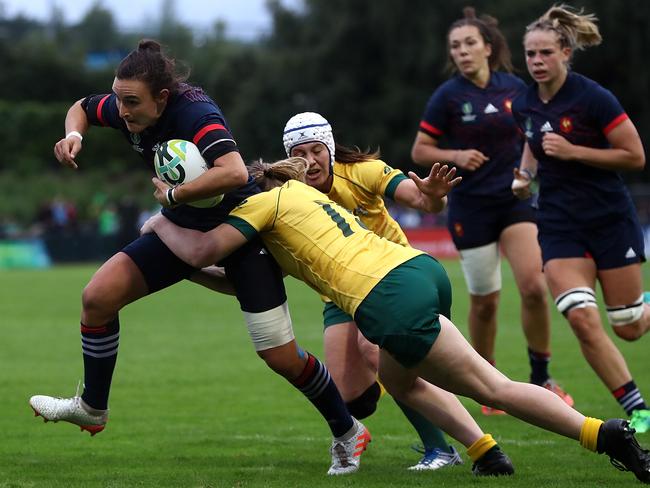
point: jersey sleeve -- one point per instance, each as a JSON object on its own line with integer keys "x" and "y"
{"x": 377, "y": 177}
{"x": 606, "y": 110}
{"x": 102, "y": 110}
{"x": 434, "y": 120}
{"x": 255, "y": 214}
{"x": 208, "y": 130}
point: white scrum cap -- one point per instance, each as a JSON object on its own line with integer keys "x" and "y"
{"x": 308, "y": 127}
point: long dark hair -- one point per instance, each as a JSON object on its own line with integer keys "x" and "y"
{"x": 346, "y": 154}
{"x": 147, "y": 63}
{"x": 488, "y": 28}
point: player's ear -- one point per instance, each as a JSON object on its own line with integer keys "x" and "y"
{"x": 163, "y": 96}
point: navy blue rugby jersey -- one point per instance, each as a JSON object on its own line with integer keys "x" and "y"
{"x": 572, "y": 193}
{"x": 470, "y": 117}
{"x": 190, "y": 115}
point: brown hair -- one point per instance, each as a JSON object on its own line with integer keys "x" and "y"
{"x": 346, "y": 154}
{"x": 147, "y": 63}
{"x": 574, "y": 28}
{"x": 271, "y": 175}
{"x": 488, "y": 28}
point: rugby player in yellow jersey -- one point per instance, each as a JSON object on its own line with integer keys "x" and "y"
{"x": 359, "y": 181}
{"x": 399, "y": 298}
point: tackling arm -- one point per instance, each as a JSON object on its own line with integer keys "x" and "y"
{"x": 196, "y": 248}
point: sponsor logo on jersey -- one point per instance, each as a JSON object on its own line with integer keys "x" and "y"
{"x": 468, "y": 116}
{"x": 546, "y": 127}
{"x": 490, "y": 109}
{"x": 630, "y": 253}
{"x": 566, "y": 125}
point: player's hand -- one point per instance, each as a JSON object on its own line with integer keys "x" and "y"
{"x": 521, "y": 185}
{"x": 147, "y": 227}
{"x": 556, "y": 146}
{"x": 470, "y": 159}
{"x": 160, "y": 193}
{"x": 66, "y": 150}
{"x": 439, "y": 182}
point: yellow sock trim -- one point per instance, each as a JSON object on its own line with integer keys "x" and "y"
{"x": 589, "y": 433}
{"x": 480, "y": 447}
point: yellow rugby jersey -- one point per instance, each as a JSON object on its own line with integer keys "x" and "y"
{"x": 359, "y": 187}
{"x": 319, "y": 242}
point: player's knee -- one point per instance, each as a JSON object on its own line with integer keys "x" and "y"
{"x": 95, "y": 300}
{"x": 585, "y": 325}
{"x": 624, "y": 319}
{"x": 485, "y": 309}
{"x": 577, "y": 305}
{"x": 578, "y": 298}
{"x": 365, "y": 404}
{"x": 629, "y": 333}
{"x": 533, "y": 294}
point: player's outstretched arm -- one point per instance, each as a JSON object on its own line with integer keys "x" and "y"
{"x": 428, "y": 194}
{"x": 76, "y": 125}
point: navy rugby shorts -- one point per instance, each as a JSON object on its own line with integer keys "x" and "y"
{"x": 611, "y": 245}
{"x": 478, "y": 222}
{"x": 256, "y": 276}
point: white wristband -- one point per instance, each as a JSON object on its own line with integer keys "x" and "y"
{"x": 74, "y": 133}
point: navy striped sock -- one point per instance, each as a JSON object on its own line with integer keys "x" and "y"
{"x": 99, "y": 346}
{"x": 629, "y": 397}
{"x": 538, "y": 366}
{"x": 317, "y": 385}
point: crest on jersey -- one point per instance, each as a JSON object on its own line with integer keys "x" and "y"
{"x": 566, "y": 125}
{"x": 468, "y": 115}
{"x": 458, "y": 229}
{"x": 507, "y": 104}
{"x": 529, "y": 128}
{"x": 135, "y": 142}
{"x": 387, "y": 169}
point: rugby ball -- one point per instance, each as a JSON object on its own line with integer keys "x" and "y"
{"x": 177, "y": 161}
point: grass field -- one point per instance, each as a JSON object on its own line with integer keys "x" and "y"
{"x": 192, "y": 406}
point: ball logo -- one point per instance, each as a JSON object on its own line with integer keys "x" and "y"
{"x": 171, "y": 155}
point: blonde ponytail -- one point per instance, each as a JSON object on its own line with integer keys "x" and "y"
{"x": 271, "y": 175}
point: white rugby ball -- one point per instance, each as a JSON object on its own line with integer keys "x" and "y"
{"x": 177, "y": 161}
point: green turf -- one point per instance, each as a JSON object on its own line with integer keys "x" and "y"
{"x": 192, "y": 406}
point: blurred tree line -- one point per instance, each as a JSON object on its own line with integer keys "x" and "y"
{"x": 368, "y": 65}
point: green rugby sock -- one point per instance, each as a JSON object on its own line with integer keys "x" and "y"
{"x": 431, "y": 436}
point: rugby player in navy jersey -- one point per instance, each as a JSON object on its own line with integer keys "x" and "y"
{"x": 579, "y": 136}
{"x": 471, "y": 114}
{"x": 151, "y": 104}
